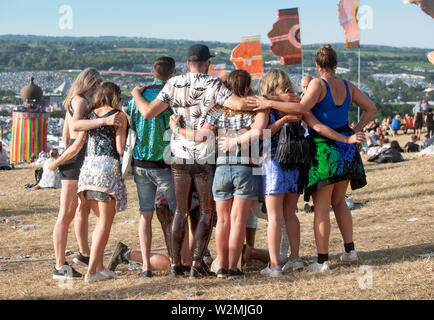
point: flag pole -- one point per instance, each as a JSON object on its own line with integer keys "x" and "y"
{"x": 358, "y": 108}
{"x": 301, "y": 43}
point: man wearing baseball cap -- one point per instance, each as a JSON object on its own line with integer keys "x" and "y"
{"x": 191, "y": 96}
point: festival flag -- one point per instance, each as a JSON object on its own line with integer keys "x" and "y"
{"x": 218, "y": 70}
{"x": 248, "y": 56}
{"x": 348, "y": 11}
{"x": 285, "y": 37}
{"x": 431, "y": 57}
{"x": 426, "y": 5}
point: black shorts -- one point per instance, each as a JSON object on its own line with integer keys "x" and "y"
{"x": 70, "y": 170}
{"x": 418, "y": 125}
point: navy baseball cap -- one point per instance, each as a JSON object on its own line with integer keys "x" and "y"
{"x": 199, "y": 52}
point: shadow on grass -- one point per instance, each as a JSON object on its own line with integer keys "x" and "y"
{"x": 380, "y": 166}
{"x": 388, "y": 188}
{"x": 386, "y": 256}
{"x": 197, "y": 288}
{"x": 146, "y": 289}
{"x": 16, "y": 213}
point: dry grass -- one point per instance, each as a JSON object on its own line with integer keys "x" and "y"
{"x": 385, "y": 239}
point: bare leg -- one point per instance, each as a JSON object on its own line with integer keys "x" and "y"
{"x": 292, "y": 224}
{"x": 274, "y": 205}
{"x": 145, "y": 235}
{"x": 105, "y": 212}
{"x": 322, "y": 201}
{"x": 222, "y": 231}
{"x": 68, "y": 205}
{"x": 81, "y": 227}
{"x": 342, "y": 212}
{"x": 158, "y": 261}
{"x": 239, "y": 214}
{"x": 250, "y": 237}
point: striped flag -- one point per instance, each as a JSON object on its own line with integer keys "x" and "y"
{"x": 285, "y": 37}
{"x": 248, "y": 56}
{"x": 348, "y": 18}
{"x": 218, "y": 70}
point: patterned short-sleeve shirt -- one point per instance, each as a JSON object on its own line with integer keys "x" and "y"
{"x": 191, "y": 96}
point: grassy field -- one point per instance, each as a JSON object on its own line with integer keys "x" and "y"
{"x": 387, "y": 241}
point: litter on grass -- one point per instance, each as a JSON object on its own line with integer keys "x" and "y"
{"x": 25, "y": 227}
{"x": 431, "y": 254}
{"x": 226, "y": 298}
{"x": 135, "y": 266}
{"x": 412, "y": 219}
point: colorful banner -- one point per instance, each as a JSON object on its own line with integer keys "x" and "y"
{"x": 285, "y": 37}
{"x": 348, "y": 11}
{"x": 248, "y": 56}
{"x": 29, "y": 135}
{"x": 218, "y": 70}
{"x": 426, "y": 5}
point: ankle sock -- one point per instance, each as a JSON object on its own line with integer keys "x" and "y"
{"x": 322, "y": 257}
{"x": 349, "y": 247}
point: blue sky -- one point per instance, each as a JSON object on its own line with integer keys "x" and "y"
{"x": 394, "y": 24}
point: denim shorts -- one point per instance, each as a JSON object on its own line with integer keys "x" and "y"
{"x": 148, "y": 181}
{"x": 235, "y": 180}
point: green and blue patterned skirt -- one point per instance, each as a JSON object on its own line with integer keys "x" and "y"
{"x": 333, "y": 161}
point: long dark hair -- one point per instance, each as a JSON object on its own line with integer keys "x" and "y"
{"x": 239, "y": 82}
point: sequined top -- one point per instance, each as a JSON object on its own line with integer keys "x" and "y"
{"x": 221, "y": 117}
{"x": 102, "y": 140}
{"x": 151, "y": 143}
{"x": 101, "y": 170}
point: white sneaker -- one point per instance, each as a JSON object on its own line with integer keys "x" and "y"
{"x": 350, "y": 257}
{"x": 108, "y": 273}
{"x": 95, "y": 277}
{"x": 318, "y": 267}
{"x": 276, "y": 272}
{"x": 293, "y": 265}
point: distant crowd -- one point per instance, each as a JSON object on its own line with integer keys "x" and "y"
{"x": 380, "y": 135}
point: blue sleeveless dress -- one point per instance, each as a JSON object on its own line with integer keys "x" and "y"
{"x": 277, "y": 178}
{"x": 333, "y": 161}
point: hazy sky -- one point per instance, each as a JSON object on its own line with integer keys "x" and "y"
{"x": 393, "y": 23}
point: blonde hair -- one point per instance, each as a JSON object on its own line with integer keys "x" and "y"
{"x": 275, "y": 82}
{"x": 84, "y": 82}
{"x": 109, "y": 94}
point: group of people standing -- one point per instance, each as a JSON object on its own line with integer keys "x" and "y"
{"x": 212, "y": 156}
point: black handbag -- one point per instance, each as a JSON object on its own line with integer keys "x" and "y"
{"x": 293, "y": 147}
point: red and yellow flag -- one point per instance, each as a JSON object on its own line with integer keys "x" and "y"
{"x": 348, "y": 11}
{"x": 218, "y": 70}
{"x": 285, "y": 37}
{"x": 248, "y": 56}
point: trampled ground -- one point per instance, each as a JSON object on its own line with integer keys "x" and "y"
{"x": 387, "y": 241}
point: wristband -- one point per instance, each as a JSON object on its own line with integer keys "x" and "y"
{"x": 176, "y": 130}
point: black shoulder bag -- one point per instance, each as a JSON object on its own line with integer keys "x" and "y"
{"x": 293, "y": 147}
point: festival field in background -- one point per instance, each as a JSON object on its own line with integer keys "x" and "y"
{"x": 393, "y": 219}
